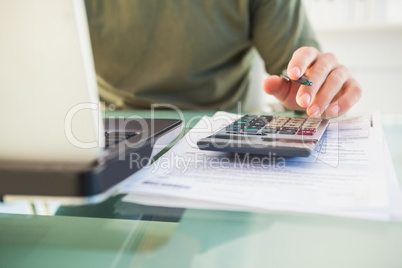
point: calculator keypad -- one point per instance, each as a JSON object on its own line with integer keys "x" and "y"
{"x": 264, "y": 125}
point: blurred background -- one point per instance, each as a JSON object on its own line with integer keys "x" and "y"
{"x": 366, "y": 36}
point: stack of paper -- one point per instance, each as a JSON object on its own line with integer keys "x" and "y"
{"x": 350, "y": 174}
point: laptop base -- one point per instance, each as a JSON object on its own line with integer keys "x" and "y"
{"x": 87, "y": 185}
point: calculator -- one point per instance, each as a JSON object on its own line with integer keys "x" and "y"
{"x": 268, "y": 135}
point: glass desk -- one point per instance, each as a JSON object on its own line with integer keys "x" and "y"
{"x": 117, "y": 234}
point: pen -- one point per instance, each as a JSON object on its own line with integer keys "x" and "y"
{"x": 302, "y": 80}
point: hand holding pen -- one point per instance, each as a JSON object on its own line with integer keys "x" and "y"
{"x": 315, "y": 82}
{"x": 302, "y": 80}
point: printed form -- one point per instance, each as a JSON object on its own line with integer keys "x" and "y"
{"x": 349, "y": 174}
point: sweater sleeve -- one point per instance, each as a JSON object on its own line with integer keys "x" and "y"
{"x": 278, "y": 28}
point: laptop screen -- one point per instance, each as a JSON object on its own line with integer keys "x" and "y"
{"x": 48, "y": 93}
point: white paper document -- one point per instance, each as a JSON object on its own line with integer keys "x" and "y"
{"x": 349, "y": 174}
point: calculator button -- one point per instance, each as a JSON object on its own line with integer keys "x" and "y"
{"x": 310, "y": 125}
{"x": 269, "y": 130}
{"x": 288, "y": 130}
{"x": 285, "y": 132}
{"x": 247, "y": 117}
{"x": 250, "y": 130}
{"x": 306, "y": 131}
{"x": 292, "y": 125}
{"x": 256, "y": 124}
{"x": 266, "y": 118}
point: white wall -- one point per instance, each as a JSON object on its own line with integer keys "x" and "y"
{"x": 366, "y": 36}
{"x": 374, "y": 57}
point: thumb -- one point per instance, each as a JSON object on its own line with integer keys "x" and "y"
{"x": 283, "y": 90}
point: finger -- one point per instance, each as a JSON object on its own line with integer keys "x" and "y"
{"x": 301, "y": 59}
{"x": 282, "y": 90}
{"x": 318, "y": 73}
{"x": 346, "y": 98}
{"x": 277, "y": 87}
{"x": 332, "y": 85}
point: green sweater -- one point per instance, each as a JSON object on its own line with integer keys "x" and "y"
{"x": 195, "y": 54}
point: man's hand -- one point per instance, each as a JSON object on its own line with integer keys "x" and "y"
{"x": 333, "y": 87}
